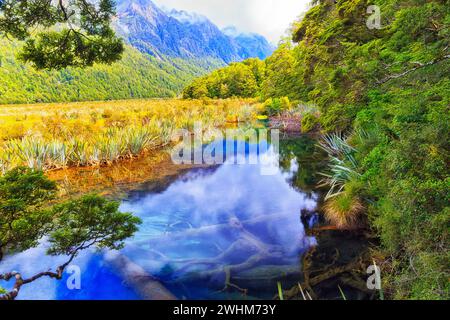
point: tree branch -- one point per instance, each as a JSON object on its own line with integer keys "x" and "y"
{"x": 419, "y": 66}
{"x": 12, "y": 295}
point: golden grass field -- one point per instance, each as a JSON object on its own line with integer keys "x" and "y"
{"x": 54, "y": 136}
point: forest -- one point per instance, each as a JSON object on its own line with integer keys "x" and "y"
{"x": 383, "y": 96}
{"x": 135, "y": 76}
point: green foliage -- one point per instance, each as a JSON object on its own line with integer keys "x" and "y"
{"x": 309, "y": 122}
{"x": 390, "y": 87}
{"x": 72, "y": 226}
{"x": 251, "y": 78}
{"x": 136, "y": 76}
{"x": 236, "y": 80}
{"x": 87, "y": 221}
{"x": 276, "y": 106}
{"x": 70, "y": 33}
{"x": 23, "y": 217}
{"x": 405, "y": 168}
{"x": 342, "y": 164}
{"x": 272, "y": 106}
{"x": 279, "y": 76}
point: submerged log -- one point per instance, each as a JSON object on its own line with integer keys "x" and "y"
{"x": 352, "y": 268}
{"x": 148, "y": 287}
{"x": 233, "y": 225}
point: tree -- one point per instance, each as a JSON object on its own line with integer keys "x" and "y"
{"x": 241, "y": 81}
{"x": 23, "y": 220}
{"x": 236, "y": 80}
{"x": 62, "y": 33}
{"x": 71, "y": 227}
{"x": 279, "y": 73}
{"x": 258, "y": 68}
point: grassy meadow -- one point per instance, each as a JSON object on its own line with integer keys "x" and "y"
{"x": 55, "y": 136}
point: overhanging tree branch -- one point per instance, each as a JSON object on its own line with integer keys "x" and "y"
{"x": 92, "y": 40}
{"x": 419, "y": 66}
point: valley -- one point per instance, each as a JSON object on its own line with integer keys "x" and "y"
{"x": 168, "y": 150}
{"x": 164, "y": 51}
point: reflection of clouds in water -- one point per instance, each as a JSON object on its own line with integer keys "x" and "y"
{"x": 293, "y": 169}
{"x": 232, "y": 189}
{"x": 267, "y": 206}
{"x": 200, "y": 200}
{"x": 33, "y": 261}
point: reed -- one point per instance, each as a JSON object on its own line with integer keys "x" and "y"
{"x": 280, "y": 291}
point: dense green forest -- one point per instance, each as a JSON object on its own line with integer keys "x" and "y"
{"x": 236, "y": 80}
{"x": 386, "y": 91}
{"x": 136, "y": 76}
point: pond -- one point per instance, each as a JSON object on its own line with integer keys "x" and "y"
{"x": 209, "y": 232}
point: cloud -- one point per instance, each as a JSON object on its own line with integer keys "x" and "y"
{"x": 271, "y": 18}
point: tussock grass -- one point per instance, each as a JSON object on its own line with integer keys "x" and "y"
{"x": 54, "y": 136}
{"x": 344, "y": 211}
{"x": 342, "y": 164}
{"x": 343, "y": 206}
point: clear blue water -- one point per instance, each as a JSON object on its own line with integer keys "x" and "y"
{"x": 229, "y": 217}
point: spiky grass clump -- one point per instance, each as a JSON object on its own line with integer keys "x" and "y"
{"x": 97, "y": 133}
{"x": 343, "y": 207}
{"x": 344, "y": 210}
{"x": 342, "y": 165}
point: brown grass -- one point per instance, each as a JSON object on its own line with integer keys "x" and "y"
{"x": 344, "y": 211}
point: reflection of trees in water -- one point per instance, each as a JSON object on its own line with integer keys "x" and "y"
{"x": 303, "y": 149}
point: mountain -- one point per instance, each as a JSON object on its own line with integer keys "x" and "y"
{"x": 251, "y": 45}
{"x": 182, "y": 34}
{"x": 165, "y": 51}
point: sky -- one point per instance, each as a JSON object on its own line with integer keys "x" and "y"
{"x": 270, "y": 18}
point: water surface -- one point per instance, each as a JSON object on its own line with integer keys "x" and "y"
{"x": 219, "y": 232}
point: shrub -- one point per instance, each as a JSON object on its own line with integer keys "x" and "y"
{"x": 271, "y": 107}
{"x": 276, "y": 106}
{"x": 309, "y": 122}
{"x": 342, "y": 165}
{"x": 285, "y": 104}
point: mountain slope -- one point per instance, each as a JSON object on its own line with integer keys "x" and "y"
{"x": 165, "y": 51}
{"x": 137, "y": 75}
{"x": 181, "y": 34}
